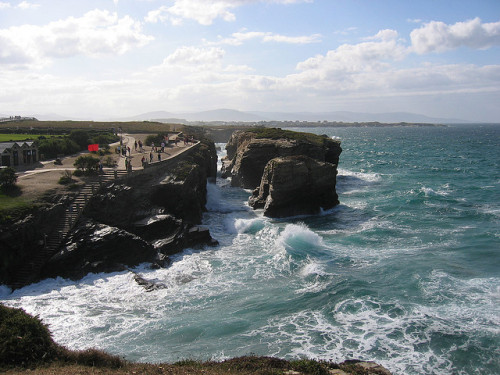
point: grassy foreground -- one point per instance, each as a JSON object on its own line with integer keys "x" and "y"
{"x": 26, "y": 346}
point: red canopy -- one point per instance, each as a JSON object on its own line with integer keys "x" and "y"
{"x": 94, "y": 147}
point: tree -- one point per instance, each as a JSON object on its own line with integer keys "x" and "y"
{"x": 8, "y": 177}
{"x": 80, "y": 137}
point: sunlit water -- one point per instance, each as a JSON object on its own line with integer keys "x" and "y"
{"x": 405, "y": 272}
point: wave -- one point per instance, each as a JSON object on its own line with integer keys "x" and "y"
{"x": 349, "y": 181}
{"x": 249, "y": 225}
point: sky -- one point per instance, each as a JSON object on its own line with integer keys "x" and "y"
{"x": 117, "y": 58}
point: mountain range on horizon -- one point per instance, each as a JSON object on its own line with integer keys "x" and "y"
{"x": 230, "y": 115}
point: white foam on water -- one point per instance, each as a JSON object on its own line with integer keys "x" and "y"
{"x": 299, "y": 236}
{"x": 215, "y": 203}
{"x": 249, "y": 225}
{"x": 364, "y": 176}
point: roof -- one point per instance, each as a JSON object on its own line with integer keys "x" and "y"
{"x": 8, "y": 145}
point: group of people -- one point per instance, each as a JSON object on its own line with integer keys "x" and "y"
{"x": 138, "y": 144}
{"x": 158, "y": 150}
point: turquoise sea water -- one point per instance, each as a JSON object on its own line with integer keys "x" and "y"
{"x": 405, "y": 272}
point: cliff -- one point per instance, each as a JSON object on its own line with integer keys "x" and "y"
{"x": 292, "y": 173}
{"x": 142, "y": 218}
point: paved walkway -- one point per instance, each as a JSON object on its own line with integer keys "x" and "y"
{"x": 37, "y": 181}
{"x": 136, "y": 155}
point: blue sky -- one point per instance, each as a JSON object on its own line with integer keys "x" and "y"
{"x": 117, "y": 58}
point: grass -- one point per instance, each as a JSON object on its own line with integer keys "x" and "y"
{"x": 12, "y": 204}
{"x": 276, "y": 133}
{"x": 26, "y": 346}
{"x": 127, "y": 127}
{"x": 11, "y": 137}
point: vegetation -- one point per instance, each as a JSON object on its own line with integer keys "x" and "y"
{"x": 276, "y": 133}
{"x": 25, "y": 342}
{"x": 62, "y": 127}
{"x": 26, "y": 345}
{"x": 11, "y": 137}
{"x": 77, "y": 140}
{"x": 52, "y": 147}
{"x": 66, "y": 178}
{"x": 87, "y": 163}
{"x": 156, "y": 139}
{"x": 8, "y": 177}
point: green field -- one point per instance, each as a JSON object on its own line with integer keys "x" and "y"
{"x": 21, "y": 137}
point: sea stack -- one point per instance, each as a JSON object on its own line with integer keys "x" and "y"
{"x": 291, "y": 173}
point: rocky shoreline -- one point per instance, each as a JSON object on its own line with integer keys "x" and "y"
{"x": 148, "y": 216}
{"x": 142, "y": 218}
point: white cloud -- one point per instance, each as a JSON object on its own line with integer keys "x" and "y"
{"x": 386, "y": 34}
{"x": 205, "y": 11}
{"x": 438, "y": 36}
{"x": 96, "y": 33}
{"x": 21, "y": 5}
{"x": 27, "y": 5}
{"x": 351, "y": 58}
{"x": 189, "y": 57}
{"x": 239, "y": 38}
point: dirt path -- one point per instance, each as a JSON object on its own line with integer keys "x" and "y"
{"x": 43, "y": 178}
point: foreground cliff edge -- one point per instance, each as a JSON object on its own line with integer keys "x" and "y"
{"x": 26, "y": 345}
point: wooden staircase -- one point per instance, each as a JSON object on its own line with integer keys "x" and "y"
{"x": 30, "y": 270}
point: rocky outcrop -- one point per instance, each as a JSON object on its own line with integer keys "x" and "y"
{"x": 295, "y": 185}
{"x": 21, "y": 240}
{"x": 295, "y": 173}
{"x": 143, "y": 218}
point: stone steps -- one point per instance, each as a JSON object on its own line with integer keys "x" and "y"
{"x": 29, "y": 271}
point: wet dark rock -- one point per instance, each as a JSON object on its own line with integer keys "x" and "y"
{"x": 295, "y": 185}
{"x": 248, "y": 152}
{"x": 95, "y": 248}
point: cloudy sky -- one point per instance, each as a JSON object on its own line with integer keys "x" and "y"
{"x": 98, "y": 59}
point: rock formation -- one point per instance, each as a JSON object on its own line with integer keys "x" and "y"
{"x": 295, "y": 173}
{"x": 295, "y": 185}
{"x": 143, "y": 218}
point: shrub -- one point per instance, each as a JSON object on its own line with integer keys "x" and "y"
{"x": 80, "y": 137}
{"x": 109, "y": 162}
{"x": 24, "y": 340}
{"x": 8, "y": 177}
{"x": 66, "y": 178}
{"x": 87, "y": 163}
{"x": 93, "y": 358}
{"x": 157, "y": 139}
{"x": 52, "y": 147}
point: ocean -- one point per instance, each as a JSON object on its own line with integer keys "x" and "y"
{"x": 404, "y": 272}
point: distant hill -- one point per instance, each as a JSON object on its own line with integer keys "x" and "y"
{"x": 231, "y": 115}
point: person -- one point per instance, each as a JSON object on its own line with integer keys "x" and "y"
{"x": 128, "y": 149}
{"x": 100, "y": 166}
{"x": 135, "y": 145}
{"x": 143, "y": 161}
{"x": 162, "y": 146}
{"x": 151, "y": 157}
